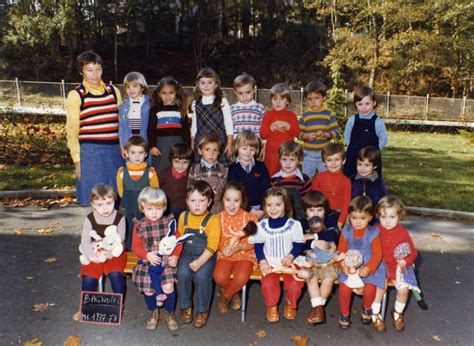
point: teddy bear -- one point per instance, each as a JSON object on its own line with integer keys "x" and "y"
{"x": 103, "y": 248}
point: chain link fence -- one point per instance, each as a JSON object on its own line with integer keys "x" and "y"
{"x": 50, "y": 98}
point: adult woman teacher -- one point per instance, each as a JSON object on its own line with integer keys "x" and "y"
{"x": 92, "y": 127}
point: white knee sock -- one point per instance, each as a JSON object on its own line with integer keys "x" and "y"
{"x": 375, "y": 310}
{"x": 323, "y": 301}
{"x": 399, "y": 307}
{"x": 316, "y": 301}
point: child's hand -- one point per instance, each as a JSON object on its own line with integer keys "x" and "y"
{"x": 320, "y": 244}
{"x": 229, "y": 250}
{"x": 364, "y": 272}
{"x": 173, "y": 261}
{"x": 320, "y": 134}
{"x": 402, "y": 263}
{"x": 287, "y": 260}
{"x": 311, "y": 136}
{"x": 155, "y": 151}
{"x": 229, "y": 150}
{"x": 262, "y": 152}
{"x": 265, "y": 267}
{"x": 153, "y": 258}
{"x": 195, "y": 265}
{"x": 257, "y": 213}
{"x": 344, "y": 268}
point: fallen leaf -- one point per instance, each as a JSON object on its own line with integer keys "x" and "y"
{"x": 19, "y": 231}
{"x": 50, "y": 260}
{"x": 54, "y": 222}
{"x": 435, "y": 235}
{"x": 47, "y": 230}
{"x": 443, "y": 251}
{"x": 457, "y": 282}
{"x": 300, "y": 340}
{"x": 29, "y": 278}
{"x": 42, "y": 307}
{"x": 33, "y": 342}
{"x": 72, "y": 340}
{"x": 261, "y": 333}
{"x": 436, "y": 338}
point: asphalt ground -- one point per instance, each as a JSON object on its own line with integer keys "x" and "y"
{"x": 444, "y": 266}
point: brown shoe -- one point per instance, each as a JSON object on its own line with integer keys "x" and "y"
{"x": 236, "y": 302}
{"x": 398, "y": 323}
{"x": 223, "y": 305}
{"x": 186, "y": 315}
{"x": 378, "y": 324}
{"x": 289, "y": 312}
{"x": 201, "y": 319}
{"x": 316, "y": 315}
{"x": 272, "y": 314}
{"x": 153, "y": 319}
{"x": 77, "y": 316}
{"x": 171, "y": 322}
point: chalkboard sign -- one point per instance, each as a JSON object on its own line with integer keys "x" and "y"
{"x": 101, "y": 308}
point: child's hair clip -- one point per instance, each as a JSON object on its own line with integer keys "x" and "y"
{"x": 176, "y": 82}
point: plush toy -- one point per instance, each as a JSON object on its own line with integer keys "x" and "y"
{"x": 353, "y": 260}
{"x": 249, "y": 229}
{"x": 103, "y": 248}
{"x": 97, "y": 249}
{"x": 112, "y": 242}
{"x": 405, "y": 277}
{"x": 326, "y": 256}
{"x": 165, "y": 248}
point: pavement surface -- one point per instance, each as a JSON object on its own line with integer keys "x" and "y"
{"x": 444, "y": 266}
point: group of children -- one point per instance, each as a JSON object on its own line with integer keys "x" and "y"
{"x": 232, "y": 182}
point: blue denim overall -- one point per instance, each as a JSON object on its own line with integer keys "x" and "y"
{"x": 364, "y": 246}
{"x": 202, "y": 278}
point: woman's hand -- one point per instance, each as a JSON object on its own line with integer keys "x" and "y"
{"x": 123, "y": 152}
{"x": 77, "y": 170}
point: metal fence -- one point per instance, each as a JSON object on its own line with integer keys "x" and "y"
{"x": 50, "y": 98}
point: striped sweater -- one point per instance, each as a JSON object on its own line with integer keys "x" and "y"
{"x": 247, "y": 116}
{"x": 98, "y": 116}
{"x": 318, "y": 119}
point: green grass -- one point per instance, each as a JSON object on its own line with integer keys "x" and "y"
{"x": 19, "y": 177}
{"x": 425, "y": 169}
{"x": 433, "y": 170}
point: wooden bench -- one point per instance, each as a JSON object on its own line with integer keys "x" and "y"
{"x": 257, "y": 276}
{"x": 132, "y": 260}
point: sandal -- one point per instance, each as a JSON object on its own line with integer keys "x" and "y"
{"x": 344, "y": 322}
{"x": 366, "y": 316}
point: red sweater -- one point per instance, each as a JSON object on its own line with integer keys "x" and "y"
{"x": 376, "y": 247}
{"x": 274, "y": 139}
{"x": 390, "y": 239}
{"x": 337, "y": 189}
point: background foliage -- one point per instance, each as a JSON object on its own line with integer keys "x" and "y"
{"x": 405, "y": 47}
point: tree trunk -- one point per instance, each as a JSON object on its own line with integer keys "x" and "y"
{"x": 245, "y": 18}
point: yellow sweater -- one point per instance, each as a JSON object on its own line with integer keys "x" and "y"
{"x": 213, "y": 229}
{"x": 73, "y": 109}
{"x": 136, "y": 172}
